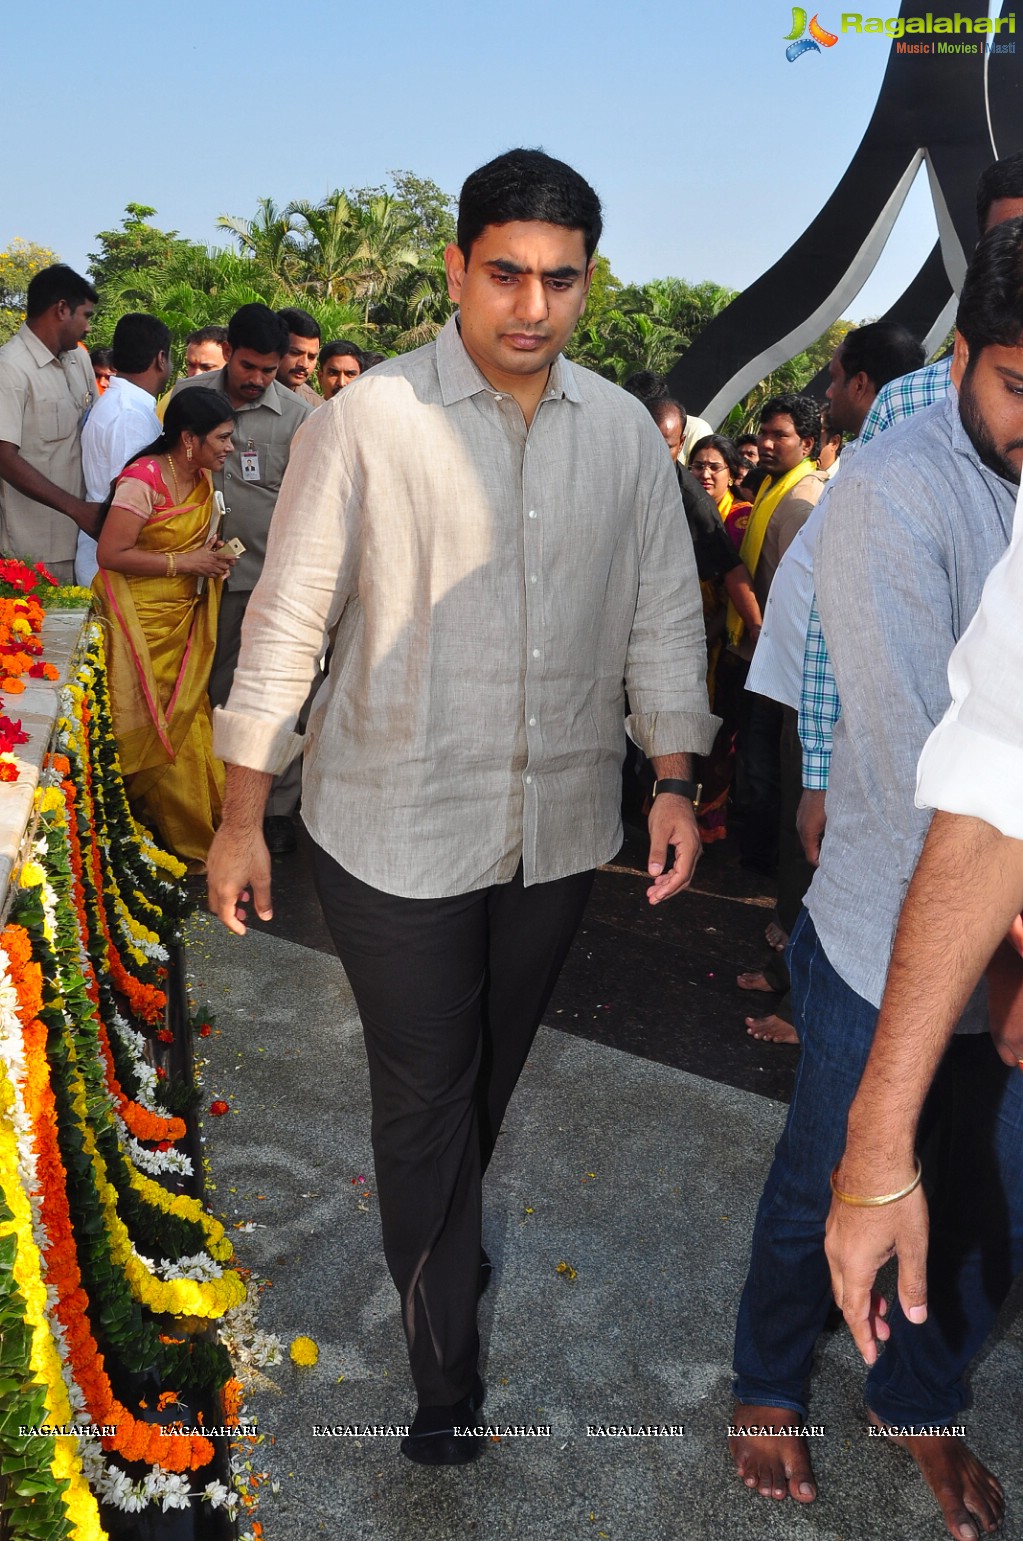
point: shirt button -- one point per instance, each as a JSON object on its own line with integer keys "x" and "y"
{"x": 532, "y": 577}
{"x": 529, "y": 781}
{"x": 536, "y": 652}
{"x": 532, "y": 513}
{"x": 532, "y": 722}
{"x": 498, "y": 398}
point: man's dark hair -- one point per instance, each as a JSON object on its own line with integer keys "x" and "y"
{"x": 527, "y": 185}
{"x": 341, "y": 349}
{"x": 745, "y": 438}
{"x": 725, "y": 448}
{"x": 101, "y": 358}
{"x": 661, "y": 407}
{"x": 646, "y": 386}
{"x": 804, "y": 412}
{"x": 991, "y": 305}
{"x": 54, "y": 284}
{"x": 258, "y": 327}
{"x": 883, "y": 351}
{"x": 138, "y": 338}
{"x": 300, "y": 322}
{"x": 217, "y": 334}
{"x": 1002, "y": 179}
{"x": 370, "y": 360}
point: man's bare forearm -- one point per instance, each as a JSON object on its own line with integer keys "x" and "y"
{"x": 967, "y": 887}
{"x": 672, "y": 767}
{"x": 245, "y": 798}
{"x": 14, "y": 468}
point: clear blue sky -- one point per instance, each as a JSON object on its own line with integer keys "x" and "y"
{"x": 710, "y": 150}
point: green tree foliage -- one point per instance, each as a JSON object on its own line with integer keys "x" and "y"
{"x": 19, "y": 263}
{"x": 136, "y": 249}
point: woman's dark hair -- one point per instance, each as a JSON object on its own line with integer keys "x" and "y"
{"x": 198, "y": 411}
{"x": 527, "y": 185}
{"x": 725, "y": 448}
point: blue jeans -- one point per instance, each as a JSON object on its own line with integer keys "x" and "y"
{"x": 971, "y": 1144}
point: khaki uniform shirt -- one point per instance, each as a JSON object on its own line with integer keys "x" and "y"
{"x": 43, "y": 400}
{"x": 306, "y": 393}
{"x": 266, "y": 428}
{"x": 495, "y": 592}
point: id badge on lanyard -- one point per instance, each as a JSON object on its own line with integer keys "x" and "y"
{"x": 250, "y": 463}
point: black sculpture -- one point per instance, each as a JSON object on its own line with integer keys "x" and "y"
{"x": 954, "y": 112}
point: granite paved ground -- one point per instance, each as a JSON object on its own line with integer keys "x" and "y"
{"x": 638, "y": 1175}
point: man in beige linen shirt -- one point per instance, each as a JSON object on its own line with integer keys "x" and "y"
{"x": 46, "y": 388}
{"x": 499, "y": 540}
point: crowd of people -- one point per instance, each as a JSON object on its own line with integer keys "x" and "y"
{"x": 457, "y": 588}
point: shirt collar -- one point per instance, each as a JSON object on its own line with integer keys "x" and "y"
{"x": 38, "y": 349}
{"x": 122, "y": 387}
{"x": 460, "y": 377}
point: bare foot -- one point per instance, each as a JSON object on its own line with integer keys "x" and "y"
{"x": 777, "y": 1465}
{"x": 775, "y": 937}
{"x": 970, "y": 1496}
{"x": 755, "y": 979}
{"x": 771, "y": 1029}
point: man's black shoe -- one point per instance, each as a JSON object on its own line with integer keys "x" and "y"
{"x": 432, "y": 1440}
{"x": 279, "y": 834}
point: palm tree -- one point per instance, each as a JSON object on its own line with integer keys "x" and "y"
{"x": 354, "y": 251}
{"x": 269, "y": 239}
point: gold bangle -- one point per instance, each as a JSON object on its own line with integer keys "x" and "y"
{"x": 172, "y": 566}
{"x": 859, "y": 1202}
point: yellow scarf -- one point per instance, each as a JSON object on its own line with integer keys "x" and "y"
{"x": 766, "y": 502}
{"x": 725, "y": 506}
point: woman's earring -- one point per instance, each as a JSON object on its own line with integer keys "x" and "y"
{"x": 188, "y": 453}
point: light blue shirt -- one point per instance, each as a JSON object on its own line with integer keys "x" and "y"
{"x": 917, "y": 524}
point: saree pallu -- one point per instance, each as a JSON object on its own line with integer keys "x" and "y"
{"x": 160, "y": 640}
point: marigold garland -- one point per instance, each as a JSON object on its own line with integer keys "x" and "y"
{"x": 115, "y": 905}
{"x": 133, "y": 1440}
{"x": 62, "y": 1454}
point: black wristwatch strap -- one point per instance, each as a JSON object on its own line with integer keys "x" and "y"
{"x": 690, "y": 789}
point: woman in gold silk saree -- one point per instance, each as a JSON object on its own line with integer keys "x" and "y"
{"x": 158, "y": 593}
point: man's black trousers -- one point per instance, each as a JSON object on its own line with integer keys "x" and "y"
{"x": 450, "y": 992}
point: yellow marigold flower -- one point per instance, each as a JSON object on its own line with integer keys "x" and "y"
{"x": 304, "y": 1351}
{"x": 32, "y": 875}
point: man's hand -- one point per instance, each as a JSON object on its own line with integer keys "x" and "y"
{"x": 237, "y": 872}
{"x": 85, "y": 515}
{"x": 672, "y": 822}
{"x": 810, "y": 821}
{"x": 858, "y": 1242}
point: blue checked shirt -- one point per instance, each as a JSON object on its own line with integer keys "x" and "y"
{"x": 819, "y": 705}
